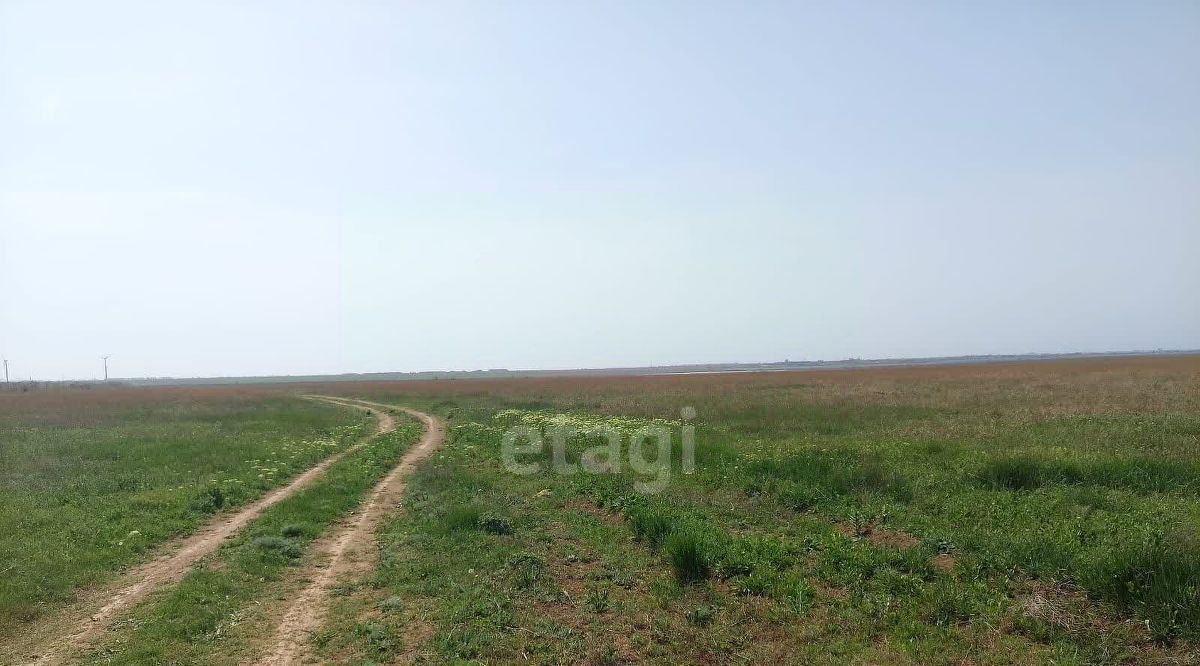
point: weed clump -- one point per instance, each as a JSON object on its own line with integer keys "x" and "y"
{"x": 293, "y": 530}
{"x": 495, "y": 524}
{"x": 528, "y": 569}
{"x": 469, "y": 518}
{"x": 392, "y": 604}
{"x": 948, "y": 604}
{"x": 210, "y": 501}
{"x": 597, "y": 600}
{"x": 1144, "y": 476}
{"x": 700, "y": 616}
{"x": 279, "y": 546}
{"x": 1136, "y": 475}
{"x": 379, "y": 638}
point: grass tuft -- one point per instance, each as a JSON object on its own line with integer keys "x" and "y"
{"x": 1012, "y": 473}
{"x": 278, "y": 545}
{"x": 393, "y": 604}
{"x": 461, "y": 518}
{"x": 293, "y": 530}
{"x": 465, "y": 518}
{"x": 528, "y": 569}
{"x": 650, "y": 524}
{"x": 700, "y": 616}
{"x": 1157, "y": 579}
{"x": 689, "y": 556}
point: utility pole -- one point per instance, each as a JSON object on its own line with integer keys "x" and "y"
{"x": 105, "y": 357}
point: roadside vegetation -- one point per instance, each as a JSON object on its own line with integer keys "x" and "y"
{"x": 224, "y": 610}
{"x": 92, "y": 481}
{"x": 1026, "y": 513}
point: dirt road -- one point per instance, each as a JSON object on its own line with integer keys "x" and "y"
{"x": 79, "y": 628}
{"x": 349, "y": 550}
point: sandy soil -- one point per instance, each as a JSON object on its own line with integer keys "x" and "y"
{"x": 80, "y": 627}
{"x": 348, "y": 551}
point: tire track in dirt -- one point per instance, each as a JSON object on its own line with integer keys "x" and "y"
{"x": 349, "y": 550}
{"x": 80, "y": 628}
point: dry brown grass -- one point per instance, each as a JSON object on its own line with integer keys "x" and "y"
{"x": 1151, "y": 385}
{"x": 103, "y": 404}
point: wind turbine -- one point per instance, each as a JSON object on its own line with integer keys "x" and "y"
{"x": 106, "y": 357}
{"x": 6, "y": 371}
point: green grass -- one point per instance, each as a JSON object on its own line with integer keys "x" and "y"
{"x": 215, "y": 615}
{"x": 689, "y": 556}
{"x": 88, "y": 487}
{"x": 1136, "y": 474}
{"x": 1157, "y": 579}
{"x": 1042, "y": 513}
{"x": 977, "y": 519}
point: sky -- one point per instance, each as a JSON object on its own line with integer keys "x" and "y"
{"x": 233, "y": 188}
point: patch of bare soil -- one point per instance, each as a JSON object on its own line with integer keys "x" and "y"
{"x": 880, "y": 536}
{"x": 348, "y": 551}
{"x": 610, "y": 518}
{"x": 944, "y": 563}
{"x": 829, "y": 591}
{"x": 79, "y": 628}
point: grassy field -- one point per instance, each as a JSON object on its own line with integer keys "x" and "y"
{"x": 1017, "y": 513}
{"x": 1023, "y": 513}
{"x": 92, "y": 481}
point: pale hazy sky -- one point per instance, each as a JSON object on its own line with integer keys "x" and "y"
{"x": 217, "y": 188}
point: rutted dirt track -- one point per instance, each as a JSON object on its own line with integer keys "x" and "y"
{"x": 80, "y": 627}
{"x": 349, "y": 550}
